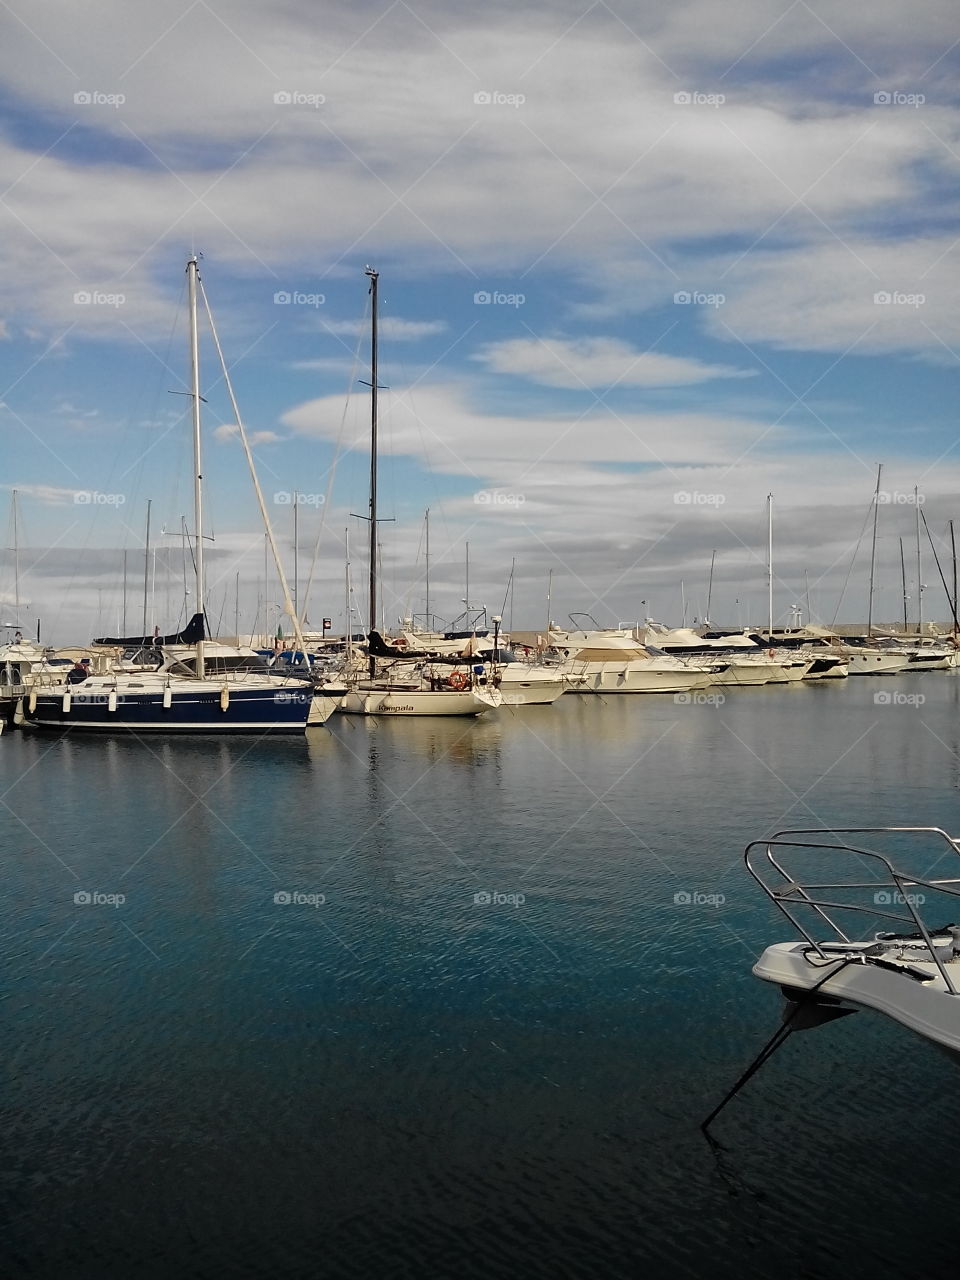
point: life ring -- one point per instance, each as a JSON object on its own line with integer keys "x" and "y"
{"x": 458, "y": 679}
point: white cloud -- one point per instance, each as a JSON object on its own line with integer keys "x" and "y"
{"x": 230, "y": 431}
{"x": 393, "y": 328}
{"x": 597, "y": 362}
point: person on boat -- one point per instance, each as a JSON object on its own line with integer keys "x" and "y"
{"x": 79, "y": 671}
{"x": 18, "y": 638}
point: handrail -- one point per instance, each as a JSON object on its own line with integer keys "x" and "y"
{"x": 794, "y": 892}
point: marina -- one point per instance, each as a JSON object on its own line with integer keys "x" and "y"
{"x": 320, "y": 970}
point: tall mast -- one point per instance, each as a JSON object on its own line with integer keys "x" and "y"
{"x": 549, "y": 592}
{"x": 903, "y": 585}
{"x": 916, "y": 503}
{"x": 296, "y": 551}
{"x": 146, "y": 568}
{"x": 348, "y": 638}
{"x": 374, "y": 277}
{"x": 873, "y": 551}
{"x": 467, "y": 585}
{"x": 953, "y": 548}
{"x": 713, "y": 557}
{"x": 769, "y": 566}
{"x": 192, "y": 273}
{"x": 426, "y": 519}
{"x": 16, "y": 562}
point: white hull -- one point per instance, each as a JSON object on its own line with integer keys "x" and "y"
{"x": 530, "y": 686}
{"x": 638, "y": 679}
{"x": 872, "y": 662}
{"x": 924, "y": 1007}
{"x": 749, "y": 673}
{"x": 419, "y": 702}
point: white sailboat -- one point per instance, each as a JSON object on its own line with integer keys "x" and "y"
{"x": 198, "y": 686}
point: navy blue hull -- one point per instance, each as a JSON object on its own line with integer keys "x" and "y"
{"x": 248, "y": 711}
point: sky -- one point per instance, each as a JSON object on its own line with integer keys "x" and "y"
{"x": 640, "y": 267}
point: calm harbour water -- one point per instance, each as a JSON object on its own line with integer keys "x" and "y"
{"x": 402, "y": 1081}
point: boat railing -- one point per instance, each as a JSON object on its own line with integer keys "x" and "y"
{"x": 772, "y": 863}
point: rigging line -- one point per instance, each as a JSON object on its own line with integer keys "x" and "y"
{"x": 856, "y": 552}
{"x": 332, "y": 469}
{"x": 952, "y": 602}
{"x": 264, "y": 515}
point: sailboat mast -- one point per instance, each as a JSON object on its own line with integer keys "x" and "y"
{"x": 296, "y": 552}
{"x": 953, "y": 548}
{"x": 769, "y": 566}
{"x": 192, "y": 273}
{"x": 466, "y": 588}
{"x": 916, "y": 503}
{"x": 16, "y": 562}
{"x": 146, "y": 567}
{"x": 426, "y": 519}
{"x": 713, "y": 559}
{"x": 903, "y": 586}
{"x": 348, "y": 623}
{"x": 374, "y": 278}
{"x": 549, "y": 593}
{"x": 873, "y": 551}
